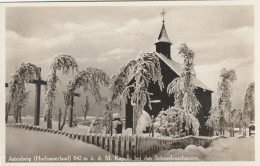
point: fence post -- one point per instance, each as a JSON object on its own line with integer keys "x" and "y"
{"x": 116, "y": 144}
{"x": 106, "y": 147}
{"x": 90, "y": 138}
{"x": 133, "y": 146}
{"x": 94, "y": 139}
{"x": 100, "y": 140}
{"x": 127, "y": 147}
{"x": 138, "y": 146}
{"x": 83, "y": 138}
{"x": 122, "y": 147}
{"x": 97, "y": 139}
{"x": 111, "y": 144}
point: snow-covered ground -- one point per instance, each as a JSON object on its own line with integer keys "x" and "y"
{"x": 28, "y": 144}
{"x": 224, "y": 149}
{"x": 77, "y": 129}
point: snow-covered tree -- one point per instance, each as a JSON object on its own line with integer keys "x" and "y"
{"x": 146, "y": 69}
{"x": 61, "y": 62}
{"x": 168, "y": 123}
{"x": 249, "y": 105}
{"x": 18, "y": 96}
{"x": 222, "y": 107}
{"x": 90, "y": 79}
{"x": 184, "y": 91}
{"x": 234, "y": 117}
{"x": 108, "y": 115}
{"x": 96, "y": 126}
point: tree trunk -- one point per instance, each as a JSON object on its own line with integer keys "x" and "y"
{"x": 85, "y": 115}
{"x": 239, "y": 128}
{"x": 49, "y": 120}
{"x": 111, "y": 122}
{"x": 134, "y": 121}
{"x": 71, "y": 112}
{"x": 60, "y": 114}
{"x": 222, "y": 124}
{"x": 19, "y": 114}
{"x": 20, "y": 117}
{"x": 244, "y": 133}
{"x": 7, "y": 109}
{"x": 45, "y": 118}
{"x": 64, "y": 117}
{"x": 230, "y": 130}
{"x": 71, "y": 117}
{"x": 16, "y": 114}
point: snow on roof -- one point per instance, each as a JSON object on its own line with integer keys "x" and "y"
{"x": 163, "y": 37}
{"x": 177, "y": 68}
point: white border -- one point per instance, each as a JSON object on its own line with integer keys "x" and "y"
{"x": 144, "y": 3}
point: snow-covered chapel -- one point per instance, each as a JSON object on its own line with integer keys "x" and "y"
{"x": 161, "y": 100}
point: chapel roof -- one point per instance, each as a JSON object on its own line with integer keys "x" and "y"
{"x": 163, "y": 37}
{"x": 177, "y": 68}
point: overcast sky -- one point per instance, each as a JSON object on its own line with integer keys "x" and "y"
{"x": 108, "y": 37}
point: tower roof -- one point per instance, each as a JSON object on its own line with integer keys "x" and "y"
{"x": 163, "y": 37}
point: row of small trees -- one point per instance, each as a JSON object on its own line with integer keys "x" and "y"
{"x": 146, "y": 69}
{"x": 222, "y": 114}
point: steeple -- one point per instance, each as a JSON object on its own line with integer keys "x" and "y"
{"x": 163, "y": 44}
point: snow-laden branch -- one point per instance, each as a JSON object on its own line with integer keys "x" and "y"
{"x": 64, "y": 63}
{"x": 18, "y": 96}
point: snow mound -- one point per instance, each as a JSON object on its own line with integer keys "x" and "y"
{"x": 191, "y": 151}
{"x": 128, "y": 131}
{"x": 222, "y": 149}
{"x": 143, "y": 122}
{"x": 116, "y": 116}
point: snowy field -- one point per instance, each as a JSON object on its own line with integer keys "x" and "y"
{"x": 77, "y": 129}
{"x": 28, "y": 144}
{"x": 225, "y": 149}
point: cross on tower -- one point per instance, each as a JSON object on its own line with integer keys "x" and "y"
{"x": 163, "y": 14}
{"x": 38, "y": 84}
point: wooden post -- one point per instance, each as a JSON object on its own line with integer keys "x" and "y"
{"x": 38, "y": 84}
{"x": 116, "y": 144}
{"x": 122, "y": 147}
{"x": 96, "y": 139}
{"x": 100, "y": 140}
{"x": 106, "y": 146}
{"x": 71, "y": 109}
{"x": 133, "y": 146}
{"x": 111, "y": 144}
{"x": 127, "y": 149}
{"x": 88, "y": 138}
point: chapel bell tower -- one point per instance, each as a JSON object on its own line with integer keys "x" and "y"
{"x": 163, "y": 44}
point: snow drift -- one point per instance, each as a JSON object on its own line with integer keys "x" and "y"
{"x": 228, "y": 149}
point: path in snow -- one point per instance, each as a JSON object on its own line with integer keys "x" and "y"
{"x": 29, "y": 144}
